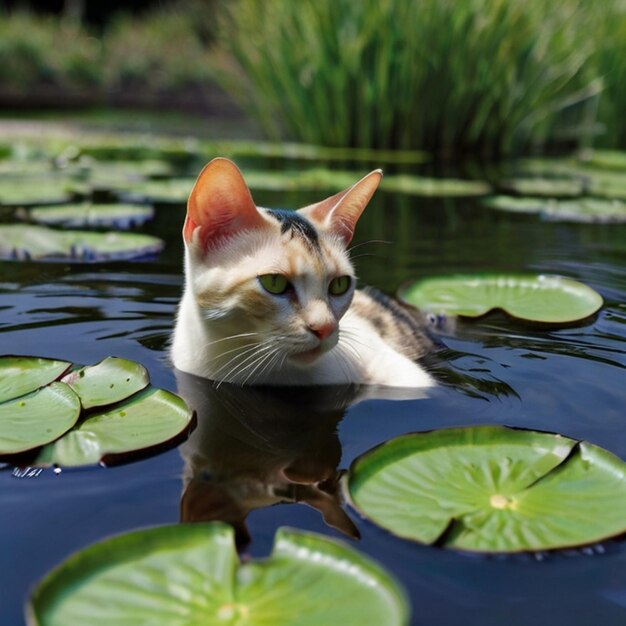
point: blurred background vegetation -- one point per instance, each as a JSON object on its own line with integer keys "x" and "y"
{"x": 478, "y": 77}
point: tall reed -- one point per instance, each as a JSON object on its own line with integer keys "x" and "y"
{"x": 611, "y": 62}
{"x": 485, "y": 76}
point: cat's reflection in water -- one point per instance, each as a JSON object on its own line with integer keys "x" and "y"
{"x": 259, "y": 446}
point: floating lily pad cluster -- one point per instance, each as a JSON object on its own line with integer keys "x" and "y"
{"x": 590, "y": 189}
{"x": 190, "y": 574}
{"x": 54, "y": 192}
{"x": 102, "y": 413}
{"x": 491, "y": 489}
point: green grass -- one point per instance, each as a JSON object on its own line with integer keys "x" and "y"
{"x": 485, "y": 76}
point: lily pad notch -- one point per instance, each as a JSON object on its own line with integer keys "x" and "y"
{"x": 538, "y": 298}
{"x": 491, "y": 489}
{"x": 191, "y": 574}
{"x": 105, "y": 413}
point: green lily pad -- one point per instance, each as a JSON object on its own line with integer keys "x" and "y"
{"x": 535, "y": 298}
{"x": 545, "y": 187}
{"x": 20, "y": 375}
{"x": 38, "y": 418}
{"x": 126, "y": 169}
{"x": 189, "y": 574}
{"x": 605, "y": 159}
{"x": 436, "y": 187}
{"x": 121, "y": 216}
{"x": 492, "y": 489}
{"x": 332, "y": 180}
{"x": 587, "y": 210}
{"x": 21, "y": 167}
{"x": 33, "y": 190}
{"x": 24, "y": 242}
{"x": 607, "y": 184}
{"x": 169, "y": 191}
{"x": 148, "y": 419}
{"x": 111, "y": 380}
{"x": 308, "y": 152}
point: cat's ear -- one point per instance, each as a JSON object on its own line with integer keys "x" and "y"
{"x": 340, "y": 213}
{"x": 220, "y": 205}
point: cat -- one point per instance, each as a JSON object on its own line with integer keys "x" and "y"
{"x": 270, "y": 298}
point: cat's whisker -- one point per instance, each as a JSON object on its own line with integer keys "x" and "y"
{"x": 358, "y": 256}
{"x": 351, "y": 336}
{"x": 243, "y": 353}
{"x": 365, "y": 243}
{"x": 261, "y": 364}
{"x": 230, "y": 338}
{"x": 342, "y": 363}
{"x": 245, "y": 348}
{"x": 241, "y": 367}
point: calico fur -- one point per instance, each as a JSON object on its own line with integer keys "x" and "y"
{"x": 230, "y": 328}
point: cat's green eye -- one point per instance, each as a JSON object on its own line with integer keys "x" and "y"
{"x": 338, "y": 286}
{"x": 276, "y": 284}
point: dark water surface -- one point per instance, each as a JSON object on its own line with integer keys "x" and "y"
{"x": 570, "y": 381}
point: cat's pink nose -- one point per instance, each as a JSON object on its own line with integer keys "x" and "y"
{"x": 323, "y": 330}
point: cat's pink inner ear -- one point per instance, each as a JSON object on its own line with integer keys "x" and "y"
{"x": 220, "y": 205}
{"x": 340, "y": 213}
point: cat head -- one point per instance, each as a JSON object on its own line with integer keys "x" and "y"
{"x": 283, "y": 276}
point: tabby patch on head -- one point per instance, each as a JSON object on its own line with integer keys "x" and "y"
{"x": 268, "y": 292}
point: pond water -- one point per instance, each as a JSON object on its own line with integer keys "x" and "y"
{"x": 493, "y": 371}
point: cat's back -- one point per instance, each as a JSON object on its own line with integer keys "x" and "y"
{"x": 399, "y": 326}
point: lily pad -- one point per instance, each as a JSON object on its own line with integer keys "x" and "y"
{"x": 607, "y": 184}
{"x": 169, "y": 191}
{"x": 189, "y": 574}
{"x": 126, "y": 169}
{"x": 28, "y": 191}
{"x": 20, "y": 375}
{"x": 111, "y": 380}
{"x": 148, "y": 419}
{"x": 21, "y": 167}
{"x": 587, "y": 210}
{"x": 605, "y": 159}
{"x": 492, "y": 489}
{"x": 436, "y": 187}
{"x": 545, "y": 187}
{"x": 122, "y": 216}
{"x": 309, "y": 152}
{"x": 38, "y": 418}
{"x": 535, "y": 298}
{"x": 23, "y": 242}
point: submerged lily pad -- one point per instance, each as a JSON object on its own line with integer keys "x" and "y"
{"x": 588, "y": 210}
{"x": 120, "y": 216}
{"x": 189, "y": 574}
{"x": 492, "y": 489}
{"x": 111, "y": 380}
{"x": 536, "y": 298}
{"x": 20, "y": 375}
{"x": 23, "y": 242}
{"x": 546, "y": 187}
{"x": 37, "y": 418}
{"x": 148, "y": 419}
